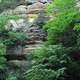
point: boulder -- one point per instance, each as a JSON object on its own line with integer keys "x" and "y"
{"x": 22, "y": 9}
{"x": 35, "y": 8}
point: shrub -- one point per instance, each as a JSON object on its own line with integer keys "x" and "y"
{"x": 59, "y": 6}
{"x": 46, "y": 52}
{"x": 2, "y": 49}
{"x": 59, "y": 25}
{"x": 39, "y": 72}
{"x": 14, "y": 38}
{"x": 11, "y": 77}
{"x": 2, "y": 53}
{"x": 57, "y": 58}
{"x": 52, "y": 59}
{"x": 66, "y": 19}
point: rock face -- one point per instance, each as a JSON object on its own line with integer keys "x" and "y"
{"x": 31, "y": 21}
{"x": 28, "y": 14}
{"x": 32, "y": 17}
{"x": 22, "y": 57}
{"x": 15, "y": 50}
{"x": 42, "y": 18}
{"x": 36, "y": 7}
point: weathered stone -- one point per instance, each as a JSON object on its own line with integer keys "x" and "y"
{"x": 22, "y": 9}
{"x": 19, "y": 64}
{"x": 32, "y": 17}
{"x": 15, "y": 50}
{"x": 42, "y": 19}
{"x": 31, "y": 1}
{"x": 30, "y": 42}
{"x": 17, "y": 25}
{"x": 35, "y": 8}
{"x": 30, "y": 50}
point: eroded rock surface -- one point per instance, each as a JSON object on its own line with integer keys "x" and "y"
{"x": 32, "y": 18}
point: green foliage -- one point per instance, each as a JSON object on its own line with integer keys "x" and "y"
{"x": 61, "y": 6}
{"x": 56, "y": 58}
{"x": 58, "y": 25}
{"x": 46, "y": 52}
{"x": 11, "y": 77}
{"x": 16, "y": 35}
{"x": 14, "y": 38}
{"x": 64, "y": 54}
{"x": 2, "y": 63}
{"x": 10, "y": 37}
{"x": 39, "y": 72}
{"x": 77, "y": 27}
{"x": 62, "y": 20}
{"x": 2, "y": 49}
{"x": 50, "y": 63}
{"x": 39, "y": 53}
{"x": 49, "y": 8}
{"x": 2, "y": 60}
{"x": 2, "y": 53}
